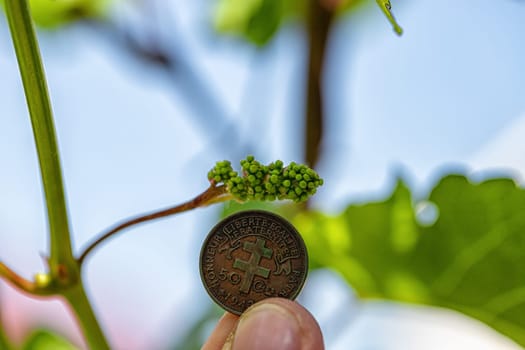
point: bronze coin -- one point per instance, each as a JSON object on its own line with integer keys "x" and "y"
{"x": 250, "y": 256}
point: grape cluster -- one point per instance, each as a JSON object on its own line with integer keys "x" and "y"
{"x": 296, "y": 182}
{"x": 221, "y": 172}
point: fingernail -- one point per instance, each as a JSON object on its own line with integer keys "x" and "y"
{"x": 265, "y": 327}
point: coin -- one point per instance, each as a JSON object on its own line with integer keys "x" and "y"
{"x": 250, "y": 256}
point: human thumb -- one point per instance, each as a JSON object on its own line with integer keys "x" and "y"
{"x": 276, "y": 324}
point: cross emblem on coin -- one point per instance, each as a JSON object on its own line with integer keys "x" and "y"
{"x": 251, "y": 267}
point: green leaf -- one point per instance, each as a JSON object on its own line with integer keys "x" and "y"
{"x": 348, "y": 6}
{"x": 471, "y": 259}
{"x": 255, "y": 20}
{"x": 45, "y": 340}
{"x": 55, "y": 13}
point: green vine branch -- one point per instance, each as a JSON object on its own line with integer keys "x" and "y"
{"x": 34, "y": 288}
{"x": 33, "y": 78}
{"x": 64, "y": 277}
{"x": 295, "y": 182}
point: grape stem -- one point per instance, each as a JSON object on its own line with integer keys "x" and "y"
{"x": 212, "y": 194}
{"x": 21, "y": 283}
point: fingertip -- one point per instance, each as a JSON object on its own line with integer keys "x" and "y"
{"x": 311, "y": 335}
{"x": 224, "y": 327}
{"x": 277, "y": 323}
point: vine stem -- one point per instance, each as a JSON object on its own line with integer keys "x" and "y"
{"x": 64, "y": 275}
{"x": 213, "y": 194}
{"x": 33, "y": 78}
{"x": 83, "y": 312}
{"x": 18, "y": 281}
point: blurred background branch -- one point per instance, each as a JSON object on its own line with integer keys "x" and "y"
{"x": 320, "y": 18}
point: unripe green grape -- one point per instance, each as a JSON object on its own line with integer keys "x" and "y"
{"x": 266, "y": 182}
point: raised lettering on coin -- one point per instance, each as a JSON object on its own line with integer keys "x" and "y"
{"x": 250, "y": 256}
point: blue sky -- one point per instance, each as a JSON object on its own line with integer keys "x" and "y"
{"x": 448, "y": 94}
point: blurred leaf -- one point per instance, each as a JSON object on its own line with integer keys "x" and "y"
{"x": 472, "y": 259}
{"x": 264, "y": 22}
{"x": 232, "y": 207}
{"x": 255, "y": 20}
{"x": 4, "y": 342}
{"x": 346, "y": 6}
{"x": 258, "y": 20}
{"x": 54, "y": 13}
{"x": 45, "y": 340}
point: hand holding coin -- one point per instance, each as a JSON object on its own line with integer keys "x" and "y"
{"x": 250, "y": 262}
{"x": 271, "y": 324}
